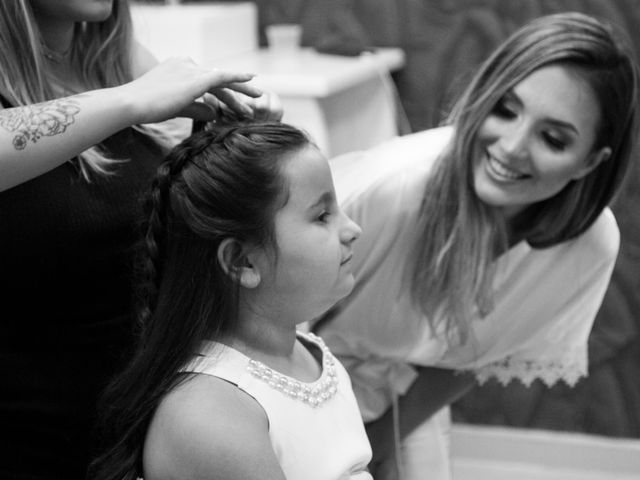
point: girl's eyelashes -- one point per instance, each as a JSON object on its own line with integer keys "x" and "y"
{"x": 324, "y": 216}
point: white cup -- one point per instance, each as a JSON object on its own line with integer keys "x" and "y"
{"x": 284, "y": 37}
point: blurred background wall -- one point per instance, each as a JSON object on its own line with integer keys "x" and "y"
{"x": 443, "y": 41}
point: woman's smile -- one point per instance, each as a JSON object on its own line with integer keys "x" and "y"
{"x": 500, "y": 171}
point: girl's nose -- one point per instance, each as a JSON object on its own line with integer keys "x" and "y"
{"x": 351, "y": 231}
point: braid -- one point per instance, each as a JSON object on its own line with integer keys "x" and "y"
{"x": 154, "y": 232}
{"x": 212, "y": 136}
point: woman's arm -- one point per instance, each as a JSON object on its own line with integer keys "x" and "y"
{"x": 37, "y": 138}
{"x": 267, "y": 107}
{"x": 433, "y": 389}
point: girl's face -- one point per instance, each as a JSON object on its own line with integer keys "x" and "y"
{"x": 312, "y": 270}
{"x": 537, "y": 138}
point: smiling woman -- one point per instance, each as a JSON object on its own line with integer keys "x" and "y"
{"x": 538, "y": 138}
{"x": 488, "y": 243}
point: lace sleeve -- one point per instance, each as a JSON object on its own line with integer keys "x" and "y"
{"x": 569, "y": 368}
{"x": 548, "y": 302}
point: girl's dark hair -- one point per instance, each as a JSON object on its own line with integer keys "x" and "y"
{"x": 220, "y": 183}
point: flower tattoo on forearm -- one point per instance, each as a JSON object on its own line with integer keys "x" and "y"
{"x": 33, "y": 122}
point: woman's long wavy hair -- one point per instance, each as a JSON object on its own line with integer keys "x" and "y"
{"x": 461, "y": 236}
{"x": 101, "y": 54}
{"x": 221, "y": 183}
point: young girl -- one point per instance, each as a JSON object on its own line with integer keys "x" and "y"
{"x": 488, "y": 244}
{"x": 244, "y": 240}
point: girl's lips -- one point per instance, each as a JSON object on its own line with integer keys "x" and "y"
{"x": 346, "y": 260}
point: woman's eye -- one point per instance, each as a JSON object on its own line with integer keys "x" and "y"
{"x": 554, "y": 142}
{"x": 502, "y": 109}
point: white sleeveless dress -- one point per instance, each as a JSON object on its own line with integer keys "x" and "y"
{"x": 315, "y": 428}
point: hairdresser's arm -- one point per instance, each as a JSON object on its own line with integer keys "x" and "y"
{"x": 37, "y": 138}
{"x": 267, "y": 107}
{"x": 433, "y": 389}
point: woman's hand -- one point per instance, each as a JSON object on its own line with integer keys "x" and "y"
{"x": 33, "y": 140}
{"x": 175, "y": 87}
{"x": 267, "y": 107}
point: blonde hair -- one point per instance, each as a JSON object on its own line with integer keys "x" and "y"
{"x": 101, "y": 54}
{"x": 460, "y": 235}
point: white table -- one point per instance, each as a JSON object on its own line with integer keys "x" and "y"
{"x": 205, "y": 31}
{"x": 344, "y": 103}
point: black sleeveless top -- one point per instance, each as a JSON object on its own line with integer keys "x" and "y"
{"x": 65, "y": 260}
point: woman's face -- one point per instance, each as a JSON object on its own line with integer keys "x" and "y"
{"x": 537, "y": 138}
{"x": 72, "y": 10}
{"x": 56, "y": 18}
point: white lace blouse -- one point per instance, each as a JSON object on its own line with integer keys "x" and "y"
{"x": 545, "y": 302}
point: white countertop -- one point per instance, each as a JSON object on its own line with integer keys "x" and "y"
{"x": 206, "y": 31}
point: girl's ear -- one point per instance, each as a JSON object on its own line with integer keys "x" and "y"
{"x": 235, "y": 263}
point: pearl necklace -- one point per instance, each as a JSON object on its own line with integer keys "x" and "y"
{"x": 315, "y": 393}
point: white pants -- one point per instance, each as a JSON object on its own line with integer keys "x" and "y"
{"x": 425, "y": 452}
